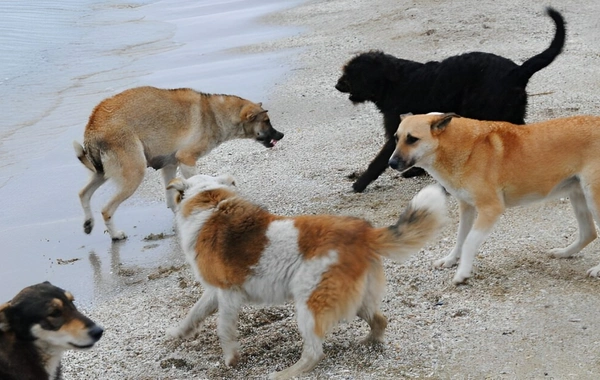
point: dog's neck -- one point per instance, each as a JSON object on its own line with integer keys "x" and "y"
{"x": 50, "y": 356}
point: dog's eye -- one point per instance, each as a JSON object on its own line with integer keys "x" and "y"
{"x": 55, "y": 313}
{"x": 396, "y": 139}
{"x": 411, "y": 139}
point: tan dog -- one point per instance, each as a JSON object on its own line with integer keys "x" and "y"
{"x": 163, "y": 129}
{"x": 489, "y": 166}
{"x": 36, "y": 327}
{"x": 330, "y": 266}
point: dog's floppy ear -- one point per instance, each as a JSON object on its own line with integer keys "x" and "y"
{"x": 226, "y": 179}
{"x": 405, "y": 115}
{"x": 3, "y": 319}
{"x": 390, "y": 71}
{"x": 442, "y": 122}
{"x": 250, "y": 113}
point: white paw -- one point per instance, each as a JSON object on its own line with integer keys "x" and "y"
{"x": 461, "y": 276}
{"x": 561, "y": 253}
{"x": 232, "y": 358}
{"x": 445, "y": 263}
{"x": 119, "y": 235}
{"x": 175, "y": 332}
{"x": 594, "y": 272}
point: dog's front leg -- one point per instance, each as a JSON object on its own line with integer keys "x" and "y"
{"x": 467, "y": 216}
{"x": 376, "y": 167}
{"x": 230, "y": 303}
{"x": 187, "y": 171}
{"x": 168, "y": 173}
{"x": 482, "y": 227}
{"x": 205, "y": 306}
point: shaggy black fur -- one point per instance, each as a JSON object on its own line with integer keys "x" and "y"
{"x": 475, "y": 85}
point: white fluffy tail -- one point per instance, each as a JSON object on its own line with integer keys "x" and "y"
{"x": 418, "y": 224}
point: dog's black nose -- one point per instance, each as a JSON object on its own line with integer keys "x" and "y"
{"x": 341, "y": 87}
{"x": 96, "y": 332}
{"x": 394, "y": 162}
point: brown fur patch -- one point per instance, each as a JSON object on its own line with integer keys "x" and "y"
{"x": 232, "y": 239}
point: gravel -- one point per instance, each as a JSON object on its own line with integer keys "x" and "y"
{"x": 523, "y": 314}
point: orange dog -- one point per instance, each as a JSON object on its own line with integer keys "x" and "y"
{"x": 489, "y": 166}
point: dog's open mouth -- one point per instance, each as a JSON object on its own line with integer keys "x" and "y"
{"x": 270, "y": 143}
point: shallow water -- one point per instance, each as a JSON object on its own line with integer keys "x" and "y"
{"x": 57, "y": 62}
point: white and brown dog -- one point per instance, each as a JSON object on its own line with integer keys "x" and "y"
{"x": 330, "y": 266}
{"x": 489, "y": 166}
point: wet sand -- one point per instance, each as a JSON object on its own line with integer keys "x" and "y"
{"x": 80, "y": 54}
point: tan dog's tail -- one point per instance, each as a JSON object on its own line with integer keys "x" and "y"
{"x": 82, "y": 155}
{"x": 419, "y": 223}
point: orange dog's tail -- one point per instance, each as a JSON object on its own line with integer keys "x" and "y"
{"x": 95, "y": 165}
{"x": 418, "y": 224}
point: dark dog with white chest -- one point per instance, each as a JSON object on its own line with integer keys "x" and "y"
{"x": 476, "y": 85}
{"x": 36, "y": 327}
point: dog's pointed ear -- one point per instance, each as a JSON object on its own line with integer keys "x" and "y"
{"x": 442, "y": 122}
{"x": 226, "y": 179}
{"x": 3, "y": 319}
{"x": 405, "y": 115}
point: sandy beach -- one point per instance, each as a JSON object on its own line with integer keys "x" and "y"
{"x": 523, "y": 315}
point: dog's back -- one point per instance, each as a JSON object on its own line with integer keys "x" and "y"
{"x": 36, "y": 327}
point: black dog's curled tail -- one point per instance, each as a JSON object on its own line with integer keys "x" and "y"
{"x": 538, "y": 62}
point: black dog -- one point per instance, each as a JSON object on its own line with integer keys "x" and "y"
{"x": 36, "y": 327}
{"x": 475, "y": 85}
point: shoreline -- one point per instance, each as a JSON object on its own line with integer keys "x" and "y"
{"x": 526, "y": 315}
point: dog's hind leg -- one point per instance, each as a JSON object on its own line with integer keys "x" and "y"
{"x": 85, "y": 196}
{"x": 128, "y": 172}
{"x": 168, "y": 173}
{"x": 230, "y": 303}
{"x": 312, "y": 351}
{"x": 204, "y": 307}
{"x": 585, "y": 222}
{"x": 592, "y": 196}
{"x": 369, "y": 310}
{"x": 376, "y": 167}
{"x": 467, "y": 216}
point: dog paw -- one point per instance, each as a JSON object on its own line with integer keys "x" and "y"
{"x": 561, "y": 253}
{"x": 88, "y": 225}
{"x": 175, "y": 332}
{"x": 594, "y": 272}
{"x": 444, "y": 263}
{"x": 359, "y": 187}
{"x": 460, "y": 278}
{"x": 232, "y": 359}
{"x": 119, "y": 235}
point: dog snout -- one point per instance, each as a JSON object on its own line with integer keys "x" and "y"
{"x": 96, "y": 333}
{"x": 394, "y": 162}
{"x": 277, "y": 135}
{"x": 342, "y": 86}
